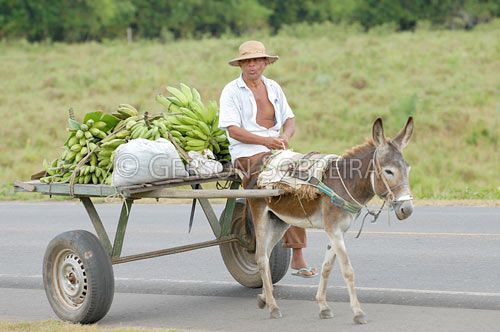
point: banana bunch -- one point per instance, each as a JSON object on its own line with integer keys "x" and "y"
{"x": 193, "y": 125}
{"x": 124, "y": 111}
{"x": 58, "y": 171}
{"x": 93, "y": 173}
{"x": 83, "y": 140}
{"x": 135, "y": 126}
{"x": 148, "y": 129}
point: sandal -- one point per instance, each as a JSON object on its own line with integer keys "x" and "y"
{"x": 305, "y": 272}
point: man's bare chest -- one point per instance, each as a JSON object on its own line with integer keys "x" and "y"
{"x": 265, "y": 110}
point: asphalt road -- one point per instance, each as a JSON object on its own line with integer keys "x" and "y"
{"x": 446, "y": 257}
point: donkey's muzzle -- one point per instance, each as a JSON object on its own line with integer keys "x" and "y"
{"x": 403, "y": 209}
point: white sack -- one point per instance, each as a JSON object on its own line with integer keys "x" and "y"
{"x": 204, "y": 163}
{"x": 143, "y": 161}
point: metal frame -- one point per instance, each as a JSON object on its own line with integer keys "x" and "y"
{"x": 163, "y": 189}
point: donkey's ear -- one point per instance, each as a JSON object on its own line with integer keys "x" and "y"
{"x": 378, "y": 133}
{"x": 404, "y": 135}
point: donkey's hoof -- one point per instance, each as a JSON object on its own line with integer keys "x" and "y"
{"x": 326, "y": 313}
{"x": 261, "y": 301}
{"x": 360, "y": 318}
{"x": 276, "y": 313}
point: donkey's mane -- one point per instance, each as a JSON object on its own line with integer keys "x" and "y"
{"x": 367, "y": 146}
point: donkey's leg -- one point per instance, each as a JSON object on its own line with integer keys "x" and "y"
{"x": 324, "y": 309}
{"x": 348, "y": 274}
{"x": 279, "y": 230}
{"x": 267, "y": 233}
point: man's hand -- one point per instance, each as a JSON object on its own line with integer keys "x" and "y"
{"x": 276, "y": 143}
{"x": 285, "y": 138}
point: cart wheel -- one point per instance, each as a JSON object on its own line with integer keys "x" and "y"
{"x": 240, "y": 260}
{"x": 78, "y": 277}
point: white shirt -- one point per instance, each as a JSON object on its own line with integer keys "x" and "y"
{"x": 239, "y": 108}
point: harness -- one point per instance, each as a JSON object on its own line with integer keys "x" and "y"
{"x": 355, "y": 206}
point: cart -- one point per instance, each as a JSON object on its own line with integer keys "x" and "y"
{"x": 78, "y": 265}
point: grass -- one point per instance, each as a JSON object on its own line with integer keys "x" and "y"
{"x": 337, "y": 84}
{"x": 58, "y": 326}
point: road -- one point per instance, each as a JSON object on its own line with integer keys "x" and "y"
{"x": 446, "y": 257}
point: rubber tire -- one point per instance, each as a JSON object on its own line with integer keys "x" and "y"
{"x": 241, "y": 263}
{"x": 98, "y": 271}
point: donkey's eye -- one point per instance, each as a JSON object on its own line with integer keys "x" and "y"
{"x": 388, "y": 172}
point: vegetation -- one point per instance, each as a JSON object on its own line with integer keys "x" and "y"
{"x": 337, "y": 80}
{"x": 58, "y": 326}
{"x": 84, "y": 20}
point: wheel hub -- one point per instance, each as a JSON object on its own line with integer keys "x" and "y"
{"x": 72, "y": 279}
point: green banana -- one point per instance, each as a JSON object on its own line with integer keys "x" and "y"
{"x": 183, "y": 99}
{"x": 216, "y": 146}
{"x": 127, "y": 110}
{"x": 70, "y": 156}
{"x": 174, "y": 108}
{"x": 76, "y": 147}
{"x": 97, "y": 133}
{"x": 122, "y": 134}
{"x": 195, "y": 142}
{"x": 72, "y": 141}
{"x": 113, "y": 144}
{"x": 130, "y": 124}
{"x": 78, "y": 157}
{"x": 200, "y": 111}
{"x": 104, "y": 163}
{"x": 196, "y": 95}
{"x": 204, "y": 127}
{"x": 220, "y": 138}
{"x": 93, "y": 159}
{"x": 100, "y": 125}
{"x": 175, "y": 102}
{"x": 175, "y": 133}
{"x": 197, "y": 134}
{"x": 182, "y": 128}
{"x": 186, "y": 91}
{"x": 187, "y": 120}
{"x": 105, "y": 153}
{"x": 163, "y": 101}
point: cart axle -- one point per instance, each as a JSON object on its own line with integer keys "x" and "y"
{"x": 175, "y": 250}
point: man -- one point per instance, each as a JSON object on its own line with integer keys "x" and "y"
{"x": 253, "y": 110}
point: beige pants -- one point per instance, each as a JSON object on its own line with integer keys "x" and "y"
{"x": 295, "y": 237}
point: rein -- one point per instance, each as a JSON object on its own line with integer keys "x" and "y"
{"x": 388, "y": 195}
{"x": 373, "y": 213}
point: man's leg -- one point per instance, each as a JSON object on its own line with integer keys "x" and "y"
{"x": 296, "y": 239}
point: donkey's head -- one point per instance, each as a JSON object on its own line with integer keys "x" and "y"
{"x": 390, "y": 179}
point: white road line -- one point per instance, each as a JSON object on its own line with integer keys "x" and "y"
{"x": 430, "y": 234}
{"x": 231, "y": 283}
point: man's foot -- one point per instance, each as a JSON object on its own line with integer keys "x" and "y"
{"x": 305, "y": 272}
{"x": 299, "y": 263}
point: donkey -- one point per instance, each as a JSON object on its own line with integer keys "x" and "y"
{"x": 376, "y": 167}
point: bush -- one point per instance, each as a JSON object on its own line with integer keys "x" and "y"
{"x": 82, "y": 20}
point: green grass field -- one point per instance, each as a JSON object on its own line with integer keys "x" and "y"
{"x": 336, "y": 82}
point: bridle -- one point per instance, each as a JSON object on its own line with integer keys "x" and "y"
{"x": 387, "y": 196}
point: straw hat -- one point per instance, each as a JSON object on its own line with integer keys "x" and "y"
{"x": 252, "y": 50}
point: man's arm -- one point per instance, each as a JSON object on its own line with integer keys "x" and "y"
{"x": 247, "y": 137}
{"x": 288, "y": 129}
